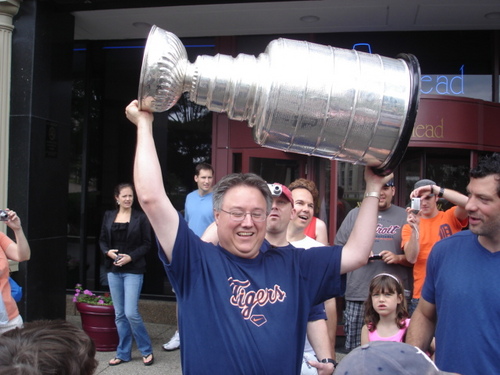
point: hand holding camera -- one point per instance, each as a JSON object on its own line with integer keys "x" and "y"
{"x": 117, "y": 259}
{"x": 4, "y": 215}
{"x": 415, "y": 205}
{"x": 10, "y": 218}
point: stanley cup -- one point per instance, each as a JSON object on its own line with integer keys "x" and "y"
{"x": 297, "y": 96}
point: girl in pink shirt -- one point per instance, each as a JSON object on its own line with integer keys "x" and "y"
{"x": 386, "y": 314}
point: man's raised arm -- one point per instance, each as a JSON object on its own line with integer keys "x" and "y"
{"x": 148, "y": 181}
{"x": 359, "y": 245}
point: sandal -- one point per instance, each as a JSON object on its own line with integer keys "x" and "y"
{"x": 116, "y": 361}
{"x": 150, "y": 362}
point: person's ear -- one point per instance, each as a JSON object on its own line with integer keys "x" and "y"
{"x": 400, "y": 298}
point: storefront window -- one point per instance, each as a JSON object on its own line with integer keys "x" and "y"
{"x": 322, "y": 180}
{"x": 105, "y": 79}
{"x": 350, "y": 189}
{"x": 474, "y": 86}
{"x": 275, "y": 170}
{"x": 449, "y": 171}
{"x": 409, "y": 174}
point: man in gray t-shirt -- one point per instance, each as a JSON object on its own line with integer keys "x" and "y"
{"x": 387, "y": 244}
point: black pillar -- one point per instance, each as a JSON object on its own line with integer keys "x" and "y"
{"x": 40, "y": 125}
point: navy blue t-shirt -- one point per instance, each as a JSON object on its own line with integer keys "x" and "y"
{"x": 247, "y": 316}
{"x": 463, "y": 281}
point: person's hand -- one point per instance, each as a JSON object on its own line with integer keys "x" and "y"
{"x": 412, "y": 218}
{"x": 323, "y": 368}
{"x": 136, "y": 116}
{"x": 122, "y": 259}
{"x": 374, "y": 182}
{"x": 112, "y": 253}
{"x": 389, "y": 257}
{"x": 13, "y": 222}
{"x": 421, "y": 192}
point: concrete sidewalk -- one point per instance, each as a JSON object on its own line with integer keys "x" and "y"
{"x": 166, "y": 363}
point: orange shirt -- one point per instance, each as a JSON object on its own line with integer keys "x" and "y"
{"x": 10, "y": 304}
{"x": 430, "y": 231}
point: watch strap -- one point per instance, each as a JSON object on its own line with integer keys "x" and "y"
{"x": 373, "y": 194}
{"x": 330, "y": 360}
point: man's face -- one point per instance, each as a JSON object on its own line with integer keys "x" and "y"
{"x": 304, "y": 207}
{"x": 205, "y": 180}
{"x": 428, "y": 205}
{"x": 483, "y": 206}
{"x": 241, "y": 238}
{"x": 386, "y": 195}
{"x": 280, "y": 216}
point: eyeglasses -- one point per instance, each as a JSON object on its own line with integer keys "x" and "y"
{"x": 257, "y": 216}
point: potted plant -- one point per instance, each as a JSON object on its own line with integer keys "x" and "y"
{"x": 98, "y": 318}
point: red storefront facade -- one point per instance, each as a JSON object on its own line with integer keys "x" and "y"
{"x": 445, "y": 125}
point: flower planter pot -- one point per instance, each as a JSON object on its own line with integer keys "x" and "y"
{"x": 98, "y": 321}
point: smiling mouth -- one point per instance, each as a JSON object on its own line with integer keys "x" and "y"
{"x": 245, "y": 234}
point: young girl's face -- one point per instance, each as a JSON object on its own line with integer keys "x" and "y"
{"x": 385, "y": 302}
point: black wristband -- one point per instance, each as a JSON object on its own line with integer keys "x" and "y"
{"x": 329, "y": 360}
{"x": 432, "y": 188}
{"x": 441, "y": 192}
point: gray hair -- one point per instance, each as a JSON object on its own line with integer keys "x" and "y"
{"x": 241, "y": 179}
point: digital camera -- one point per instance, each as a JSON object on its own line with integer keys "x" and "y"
{"x": 4, "y": 216}
{"x": 276, "y": 190}
{"x": 415, "y": 205}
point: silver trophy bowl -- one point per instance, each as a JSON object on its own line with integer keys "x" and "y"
{"x": 297, "y": 96}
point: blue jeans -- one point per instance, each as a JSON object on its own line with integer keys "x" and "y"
{"x": 125, "y": 290}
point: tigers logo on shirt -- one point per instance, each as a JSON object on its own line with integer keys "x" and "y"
{"x": 246, "y": 300}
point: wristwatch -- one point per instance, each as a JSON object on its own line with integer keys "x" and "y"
{"x": 441, "y": 192}
{"x": 329, "y": 360}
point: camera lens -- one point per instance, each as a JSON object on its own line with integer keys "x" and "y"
{"x": 276, "y": 190}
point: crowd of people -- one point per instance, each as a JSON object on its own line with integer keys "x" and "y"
{"x": 254, "y": 257}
